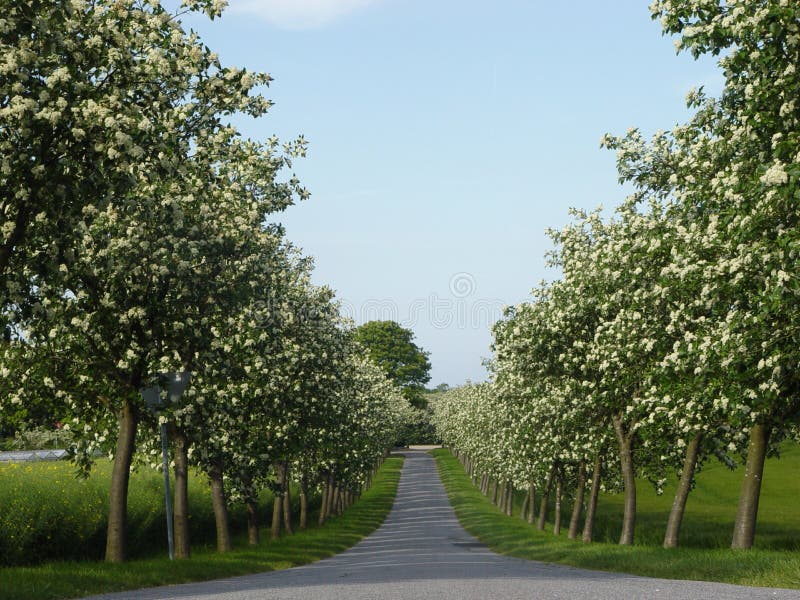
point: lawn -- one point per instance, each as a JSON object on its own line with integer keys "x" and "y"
{"x": 71, "y": 579}
{"x": 705, "y": 536}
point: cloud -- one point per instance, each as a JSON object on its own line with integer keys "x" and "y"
{"x": 298, "y": 14}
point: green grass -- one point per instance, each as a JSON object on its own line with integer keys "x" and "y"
{"x": 705, "y": 535}
{"x": 75, "y": 579}
{"x": 46, "y": 513}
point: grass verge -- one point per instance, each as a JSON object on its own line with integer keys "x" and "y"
{"x": 75, "y": 579}
{"x": 512, "y": 536}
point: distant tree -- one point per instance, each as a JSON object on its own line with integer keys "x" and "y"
{"x": 391, "y": 347}
{"x": 442, "y": 387}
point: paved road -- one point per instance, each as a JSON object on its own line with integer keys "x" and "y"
{"x": 421, "y": 552}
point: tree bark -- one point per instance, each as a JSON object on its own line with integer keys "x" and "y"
{"x": 744, "y": 529}
{"x": 494, "y": 491}
{"x": 501, "y": 500}
{"x": 287, "y": 498}
{"x": 523, "y": 512}
{"x": 625, "y": 444}
{"x": 220, "y": 504}
{"x": 303, "y": 502}
{"x": 117, "y": 532}
{"x": 331, "y": 496}
{"x": 532, "y": 505}
{"x": 181, "y": 511}
{"x": 323, "y": 507}
{"x": 252, "y": 522}
{"x": 591, "y": 507}
{"x": 682, "y": 493}
{"x": 510, "y": 499}
{"x": 275, "y": 531}
{"x": 559, "y": 492}
{"x": 545, "y": 498}
{"x": 577, "y": 507}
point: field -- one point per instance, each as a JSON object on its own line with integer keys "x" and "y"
{"x": 46, "y": 513}
{"x": 69, "y": 503}
{"x": 705, "y": 535}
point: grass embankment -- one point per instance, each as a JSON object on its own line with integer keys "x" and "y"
{"x": 75, "y": 579}
{"x": 705, "y": 534}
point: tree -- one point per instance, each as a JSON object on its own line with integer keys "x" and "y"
{"x": 94, "y": 97}
{"x": 391, "y": 347}
{"x": 161, "y": 255}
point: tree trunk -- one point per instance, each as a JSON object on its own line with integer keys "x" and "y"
{"x": 287, "y": 498}
{"x": 523, "y": 512}
{"x": 682, "y": 493}
{"x": 510, "y": 499}
{"x": 501, "y": 500}
{"x": 181, "y": 511}
{"x": 545, "y": 498}
{"x": 331, "y": 496}
{"x": 532, "y": 505}
{"x": 744, "y": 529}
{"x": 117, "y": 532}
{"x": 275, "y": 531}
{"x": 559, "y": 492}
{"x": 303, "y": 502}
{"x": 252, "y": 522}
{"x": 494, "y": 491}
{"x": 577, "y": 508}
{"x": 591, "y": 507}
{"x": 220, "y": 504}
{"x": 323, "y": 507}
{"x": 624, "y": 442}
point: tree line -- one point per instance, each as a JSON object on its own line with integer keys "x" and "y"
{"x": 137, "y": 242}
{"x": 670, "y": 337}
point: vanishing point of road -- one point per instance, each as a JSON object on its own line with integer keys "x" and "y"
{"x": 421, "y": 552}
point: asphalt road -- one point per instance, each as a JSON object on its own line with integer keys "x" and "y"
{"x": 422, "y": 552}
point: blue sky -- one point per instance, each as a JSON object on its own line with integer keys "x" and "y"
{"x": 446, "y": 137}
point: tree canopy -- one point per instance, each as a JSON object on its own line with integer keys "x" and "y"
{"x": 392, "y": 348}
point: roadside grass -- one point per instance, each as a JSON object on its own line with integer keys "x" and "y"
{"x": 47, "y": 513}
{"x": 72, "y": 579}
{"x": 705, "y": 534}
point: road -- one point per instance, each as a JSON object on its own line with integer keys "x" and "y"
{"x": 421, "y": 552}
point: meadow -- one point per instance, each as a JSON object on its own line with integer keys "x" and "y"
{"x": 48, "y": 513}
{"x": 704, "y": 552}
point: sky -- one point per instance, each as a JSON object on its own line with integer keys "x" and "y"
{"x": 446, "y": 137}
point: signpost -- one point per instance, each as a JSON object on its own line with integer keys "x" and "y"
{"x": 175, "y": 384}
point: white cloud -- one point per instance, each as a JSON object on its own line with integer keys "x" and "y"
{"x": 298, "y": 14}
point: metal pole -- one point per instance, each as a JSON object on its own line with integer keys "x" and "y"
{"x": 167, "y": 497}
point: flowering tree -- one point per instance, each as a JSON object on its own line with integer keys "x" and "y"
{"x": 96, "y": 96}
{"x": 153, "y": 263}
{"x": 735, "y": 172}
